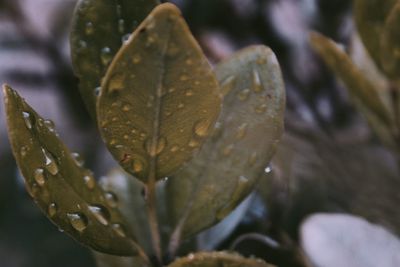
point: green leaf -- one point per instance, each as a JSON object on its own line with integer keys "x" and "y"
{"x": 99, "y": 28}
{"x": 105, "y": 260}
{"x": 244, "y": 140}
{"x": 370, "y": 16}
{"x": 65, "y": 191}
{"x": 217, "y": 259}
{"x": 159, "y": 99}
{"x": 390, "y": 44}
{"x": 357, "y": 84}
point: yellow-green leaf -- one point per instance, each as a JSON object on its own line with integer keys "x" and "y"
{"x": 210, "y": 186}
{"x": 357, "y": 84}
{"x": 217, "y": 259}
{"x": 370, "y": 16}
{"x": 390, "y": 44}
{"x": 65, "y": 191}
{"x": 159, "y": 99}
{"x": 99, "y": 27}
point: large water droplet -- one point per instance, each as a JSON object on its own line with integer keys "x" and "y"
{"x": 257, "y": 86}
{"x": 39, "y": 177}
{"x": 100, "y": 213}
{"x": 50, "y": 125}
{"x": 89, "y": 28}
{"x": 119, "y": 230}
{"x": 77, "y": 159}
{"x": 105, "y": 55}
{"x": 268, "y": 169}
{"x": 111, "y": 199}
{"x": 78, "y": 221}
{"x": 52, "y": 209}
{"x": 201, "y": 128}
{"x": 27, "y": 119}
{"x": 155, "y": 149}
{"x": 50, "y": 163}
{"x": 89, "y": 180}
{"x": 244, "y": 94}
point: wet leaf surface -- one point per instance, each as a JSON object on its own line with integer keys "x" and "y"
{"x": 106, "y": 260}
{"x": 208, "y": 188}
{"x": 390, "y": 44}
{"x": 98, "y": 30}
{"x": 357, "y": 84}
{"x": 370, "y": 16}
{"x": 217, "y": 259}
{"x": 55, "y": 178}
{"x": 154, "y": 116}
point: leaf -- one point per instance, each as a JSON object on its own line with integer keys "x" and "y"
{"x": 244, "y": 140}
{"x": 370, "y": 18}
{"x": 132, "y": 205}
{"x": 105, "y": 260}
{"x": 155, "y": 115}
{"x": 390, "y": 44}
{"x": 99, "y": 28}
{"x": 357, "y": 84}
{"x": 216, "y": 259}
{"x": 65, "y": 191}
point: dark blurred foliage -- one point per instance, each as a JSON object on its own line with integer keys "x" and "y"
{"x": 34, "y": 56}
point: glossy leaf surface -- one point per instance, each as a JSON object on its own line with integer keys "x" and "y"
{"x": 217, "y": 259}
{"x": 106, "y": 260}
{"x": 243, "y": 142}
{"x": 65, "y": 191}
{"x": 370, "y": 16}
{"x": 390, "y": 44}
{"x": 357, "y": 84}
{"x": 99, "y": 28}
{"x": 154, "y": 116}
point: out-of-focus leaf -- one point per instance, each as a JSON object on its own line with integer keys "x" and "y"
{"x": 390, "y": 44}
{"x": 131, "y": 203}
{"x": 217, "y": 259}
{"x": 244, "y": 140}
{"x": 65, "y": 191}
{"x": 106, "y": 260}
{"x": 370, "y": 16}
{"x": 99, "y": 28}
{"x": 358, "y": 85}
{"x": 155, "y": 115}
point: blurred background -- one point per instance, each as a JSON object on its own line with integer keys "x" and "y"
{"x": 330, "y": 163}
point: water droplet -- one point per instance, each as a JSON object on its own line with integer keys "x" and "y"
{"x": 174, "y": 149}
{"x": 27, "y": 119}
{"x": 137, "y": 166}
{"x": 155, "y": 149}
{"x": 194, "y": 143}
{"x": 268, "y": 169}
{"x": 78, "y": 221}
{"x": 121, "y": 26}
{"x": 89, "y": 29}
{"x": 100, "y": 213}
{"x": 49, "y": 124}
{"x": 241, "y": 133}
{"x": 89, "y": 180}
{"x": 136, "y": 59}
{"x": 257, "y": 86}
{"x": 189, "y": 93}
{"x": 244, "y": 94}
{"x": 116, "y": 83}
{"x": 50, "y": 163}
{"x": 261, "y": 108}
{"x": 150, "y": 40}
{"x": 105, "y": 56}
{"x": 227, "y": 85}
{"x": 82, "y": 45}
{"x": 228, "y": 150}
{"x": 38, "y": 175}
{"x": 201, "y": 128}
{"x": 119, "y": 230}
{"x": 125, "y": 38}
{"x": 97, "y": 91}
{"x": 111, "y": 199}
{"x": 77, "y": 159}
{"x": 24, "y": 150}
{"x": 181, "y": 106}
{"x": 52, "y": 209}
